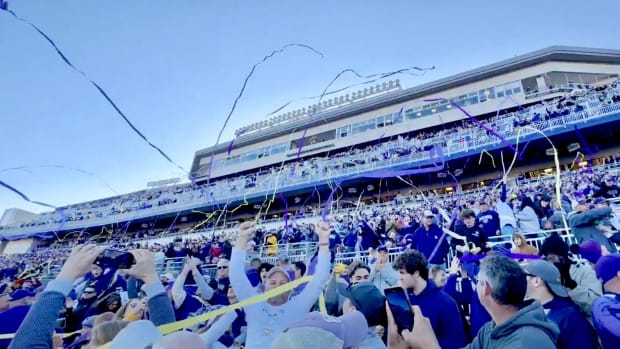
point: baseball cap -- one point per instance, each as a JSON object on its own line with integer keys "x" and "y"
{"x": 382, "y": 248}
{"x": 597, "y": 201}
{"x": 549, "y": 274}
{"x": 368, "y": 299}
{"x": 607, "y": 267}
{"x": 316, "y": 330}
{"x": 278, "y": 270}
{"x": 428, "y": 213}
{"x": 468, "y": 213}
{"x": 20, "y": 294}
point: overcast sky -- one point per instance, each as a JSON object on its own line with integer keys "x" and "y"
{"x": 175, "y": 68}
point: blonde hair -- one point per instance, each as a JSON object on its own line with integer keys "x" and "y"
{"x": 105, "y": 332}
{"x": 120, "y": 313}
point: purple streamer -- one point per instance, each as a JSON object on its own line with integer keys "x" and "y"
{"x": 475, "y": 120}
{"x": 240, "y": 94}
{"x": 378, "y": 76}
{"x": 438, "y": 164}
{"x": 285, "y": 213}
{"x": 230, "y": 146}
{"x": 328, "y": 204}
{"x": 23, "y": 196}
{"x": 523, "y": 150}
{"x": 4, "y": 6}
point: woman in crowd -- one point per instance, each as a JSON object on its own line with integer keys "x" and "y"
{"x": 527, "y": 217}
{"x": 521, "y": 246}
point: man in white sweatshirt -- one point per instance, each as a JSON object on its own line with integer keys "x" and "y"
{"x": 267, "y": 319}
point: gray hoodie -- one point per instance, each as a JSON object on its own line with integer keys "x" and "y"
{"x": 528, "y": 328}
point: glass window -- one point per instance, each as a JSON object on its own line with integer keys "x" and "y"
{"x": 388, "y": 119}
{"x": 398, "y": 118}
{"x": 380, "y": 121}
{"x": 500, "y": 94}
{"x": 516, "y": 90}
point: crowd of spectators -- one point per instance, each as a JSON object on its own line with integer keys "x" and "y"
{"x": 463, "y": 294}
{"x": 519, "y": 267}
{"x": 464, "y": 136}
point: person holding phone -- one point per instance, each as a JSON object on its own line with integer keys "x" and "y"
{"x": 439, "y": 307}
{"x": 501, "y": 287}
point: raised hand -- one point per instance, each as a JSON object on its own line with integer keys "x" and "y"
{"x": 246, "y": 230}
{"x": 323, "y": 230}
{"x": 79, "y": 262}
{"x": 144, "y": 269}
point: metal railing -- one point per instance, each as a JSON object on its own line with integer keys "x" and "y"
{"x": 477, "y": 140}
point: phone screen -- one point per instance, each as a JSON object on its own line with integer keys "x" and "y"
{"x": 400, "y": 307}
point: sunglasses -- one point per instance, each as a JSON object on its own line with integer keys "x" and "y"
{"x": 222, "y": 267}
{"x": 90, "y": 292}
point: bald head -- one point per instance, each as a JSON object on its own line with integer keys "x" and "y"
{"x": 181, "y": 340}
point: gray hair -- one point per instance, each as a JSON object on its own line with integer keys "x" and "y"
{"x": 505, "y": 277}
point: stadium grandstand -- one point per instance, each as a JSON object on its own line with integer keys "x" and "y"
{"x": 566, "y": 93}
{"x": 532, "y": 139}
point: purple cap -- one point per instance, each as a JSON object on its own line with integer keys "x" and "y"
{"x": 591, "y": 251}
{"x": 607, "y": 267}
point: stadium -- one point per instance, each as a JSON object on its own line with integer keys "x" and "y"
{"x": 376, "y": 163}
{"x": 566, "y": 93}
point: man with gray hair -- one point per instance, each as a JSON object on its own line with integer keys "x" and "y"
{"x": 501, "y": 288}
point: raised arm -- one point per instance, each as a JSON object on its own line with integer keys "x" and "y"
{"x": 219, "y": 328}
{"x": 206, "y": 292}
{"x": 160, "y": 308}
{"x": 313, "y": 289}
{"x": 38, "y": 327}
{"x": 238, "y": 280}
{"x": 178, "y": 290}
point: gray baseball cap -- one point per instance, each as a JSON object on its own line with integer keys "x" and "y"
{"x": 549, "y": 274}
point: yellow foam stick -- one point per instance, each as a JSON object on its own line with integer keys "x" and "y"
{"x": 322, "y": 305}
{"x": 188, "y": 323}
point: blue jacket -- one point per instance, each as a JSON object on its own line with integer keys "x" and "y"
{"x": 350, "y": 240}
{"x": 489, "y": 222}
{"x": 575, "y": 330}
{"x": 10, "y": 321}
{"x": 606, "y": 317}
{"x": 443, "y": 314}
{"x": 370, "y": 238}
{"x": 426, "y": 240}
{"x": 468, "y": 297}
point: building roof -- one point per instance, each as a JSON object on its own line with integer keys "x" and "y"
{"x": 553, "y": 53}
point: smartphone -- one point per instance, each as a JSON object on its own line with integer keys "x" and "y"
{"x": 398, "y": 301}
{"x": 116, "y": 259}
{"x": 61, "y": 323}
